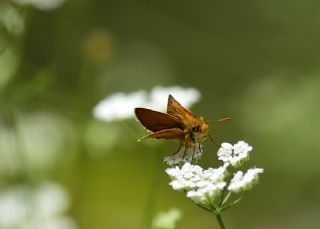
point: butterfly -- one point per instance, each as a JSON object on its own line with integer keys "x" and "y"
{"x": 178, "y": 123}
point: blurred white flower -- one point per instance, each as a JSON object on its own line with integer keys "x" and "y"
{"x": 235, "y": 154}
{"x": 40, "y": 139}
{"x": 41, "y": 208}
{"x": 185, "y": 154}
{"x": 41, "y": 4}
{"x": 167, "y": 220}
{"x": 243, "y": 182}
{"x": 121, "y": 105}
{"x": 50, "y": 199}
{"x": 159, "y": 95}
{"x": 202, "y": 186}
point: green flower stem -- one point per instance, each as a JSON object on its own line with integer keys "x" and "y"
{"x": 203, "y": 207}
{"x": 221, "y": 223}
{"x": 216, "y": 212}
{"x": 233, "y": 203}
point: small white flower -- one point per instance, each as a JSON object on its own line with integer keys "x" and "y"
{"x": 235, "y": 154}
{"x": 243, "y": 182}
{"x": 216, "y": 174}
{"x": 167, "y": 220}
{"x": 185, "y": 154}
{"x": 121, "y": 105}
{"x": 202, "y": 186}
{"x": 184, "y": 178}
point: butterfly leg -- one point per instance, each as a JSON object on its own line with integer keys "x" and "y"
{"x": 186, "y": 143}
{"x": 185, "y": 152}
{"x": 178, "y": 149}
{"x": 194, "y": 150}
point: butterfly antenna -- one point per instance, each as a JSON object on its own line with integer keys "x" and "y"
{"x": 220, "y": 120}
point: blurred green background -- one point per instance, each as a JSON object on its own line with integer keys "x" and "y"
{"x": 255, "y": 61}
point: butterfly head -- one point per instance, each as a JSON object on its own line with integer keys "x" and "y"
{"x": 200, "y": 130}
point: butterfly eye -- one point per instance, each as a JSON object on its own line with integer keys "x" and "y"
{"x": 196, "y": 128}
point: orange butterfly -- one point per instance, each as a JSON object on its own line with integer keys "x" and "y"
{"x": 178, "y": 123}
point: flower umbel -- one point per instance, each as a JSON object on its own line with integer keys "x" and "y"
{"x": 211, "y": 189}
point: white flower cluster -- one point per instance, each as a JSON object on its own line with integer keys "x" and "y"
{"x": 185, "y": 154}
{"x": 202, "y": 186}
{"x": 241, "y": 182}
{"x": 235, "y": 154}
{"x": 121, "y": 105}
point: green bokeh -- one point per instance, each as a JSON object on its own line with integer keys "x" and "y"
{"x": 254, "y": 61}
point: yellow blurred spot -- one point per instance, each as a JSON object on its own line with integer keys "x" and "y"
{"x": 99, "y": 47}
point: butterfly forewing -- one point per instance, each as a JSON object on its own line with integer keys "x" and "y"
{"x": 156, "y": 121}
{"x": 176, "y": 109}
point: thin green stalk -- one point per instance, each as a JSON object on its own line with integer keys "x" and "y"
{"x": 225, "y": 199}
{"x": 204, "y": 208}
{"x": 151, "y": 197}
{"x": 222, "y": 198}
{"x": 221, "y": 223}
{"x": 234, "y": 202}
